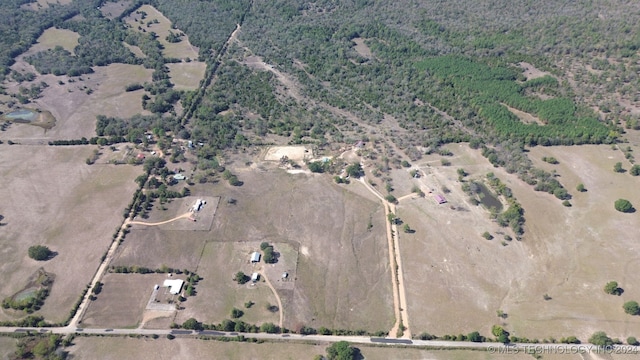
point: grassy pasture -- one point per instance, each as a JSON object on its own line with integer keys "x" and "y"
{"x": 52, "y": 198}
{"x": 53, "y": 37}
{"x": 218, "y": 294}
{"x": 74, "y": 109}
{"x": 342, "y": 271}
{"x": 186, "y": 76}
{"x": 122, "y": 300}
{"x": 127, "y": 348}
{"x": 180, "y": 50}
{"x": 113, "y": 9}
{"x": 567, "y": 253}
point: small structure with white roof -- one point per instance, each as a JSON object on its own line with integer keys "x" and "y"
{"x": 255, "y": 257}
{"x": 174, "y": 285}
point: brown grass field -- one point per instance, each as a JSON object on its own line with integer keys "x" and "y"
{"x": 75, "y": 110}
{"x": 53, "y": 37}
{"x": 127, "y": 348}
{"x": 567, "y": 253}
{"x": 113, "y": 9}
{"x": 180, "y": 50}
{"x": 342, "y": 271}
{"x": 7, "y": 347}
{"x": 122, "y": 301}
{"x": 339, "y": 270}
{"x": 186, "y": 75}
{"x": 217, "y": 293}
{"x": 51, "y": 197}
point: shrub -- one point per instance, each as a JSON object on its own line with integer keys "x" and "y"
{"x": 631, "y": 308}
{"x": 39, "y": 252}
{"x": 624, "y": 206}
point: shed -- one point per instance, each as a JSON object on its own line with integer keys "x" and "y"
{"x": 440, "y": 199}
{"x": 179, "y": 177}
{"x": 255, "y": 257}
{"x": 175, "y": 285}
{"x": 255, "y": 277}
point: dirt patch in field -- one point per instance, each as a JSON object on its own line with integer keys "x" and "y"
{"x": 186, "y": 75}
{"x": 122, "y": 301}
{"x": 51, "y": 197}
{"x": 75, "y": 102}
{"x": 566, "y": 253}
{"x": 295, "y": 153}
{"x": 525, "y": 117}
{"x": 113, "y": 9}
{"x": 179, "y": 50}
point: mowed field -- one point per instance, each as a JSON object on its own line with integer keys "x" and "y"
{"x": 122, "y": 301}
{"x": 51, "y": 197}
{"x": 179, "y": 50}
{"x": 456, "y": 280}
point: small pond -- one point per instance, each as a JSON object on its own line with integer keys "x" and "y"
{"x": 22, "y": 116}
{"x": 487, "y": 198}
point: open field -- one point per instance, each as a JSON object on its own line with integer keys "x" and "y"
{"x": 7, "y": 346}
{"x": 218, "y": 294}
{"x": 567, "y": 253}
{"x": 186, "y": 75}
{"x": 122, "y": 301}
{"x": 43, "y": 4}
{"x": 113, "y": 9}
{"x": 127, "y": 348}
{"x": 179, "y": 50}
{"x": 342, "y": 271}
{"x": 51, "y": 197}
{"x": 135, "y": 50}
{"x": 74, "y": 109}
{"x": 295, "y": 153}
{"x": 179, "y": 207}
{"x": 53, "y": 37}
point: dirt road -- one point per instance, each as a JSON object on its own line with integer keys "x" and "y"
{"x": 183, "y": 216}
{"x": 399, "y": 297}
{"x": 275, "y": 293}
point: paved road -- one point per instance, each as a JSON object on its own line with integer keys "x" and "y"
{"x": 490, "y": 347}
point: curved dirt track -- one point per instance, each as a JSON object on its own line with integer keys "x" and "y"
{"x": 185, "y": 215}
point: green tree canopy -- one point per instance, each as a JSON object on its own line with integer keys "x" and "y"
{"x": 624, "y": 206}
{"x": 40, "y": 252}
{"x": 612, "y": 288}
{"x": 600, "y": 338}
{"x": 341, "y": 351}
{"x": 355, "y": 170}
{"x": 631, "y": 308}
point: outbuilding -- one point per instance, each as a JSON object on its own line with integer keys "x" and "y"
{"x": 174, "y": 285}
{"x": 255, "y": 277}
{"x": 255, "y": 257}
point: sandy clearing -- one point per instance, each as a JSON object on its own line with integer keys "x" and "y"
{"x": 295, "y": 153}
{"x": 362, "y": 48}
{"x": 531, "y": 72}
{"x": 53, "y": 37}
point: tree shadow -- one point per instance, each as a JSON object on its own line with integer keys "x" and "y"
{"x": 51, "y": 255}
